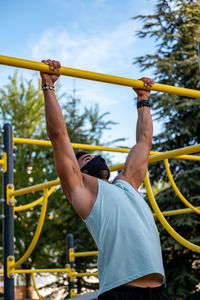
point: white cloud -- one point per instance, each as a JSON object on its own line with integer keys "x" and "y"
{"x": 104, "y": 53}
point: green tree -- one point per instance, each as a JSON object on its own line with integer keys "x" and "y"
{"x": 21, "y": 104}
{"x": 175, "y": 28}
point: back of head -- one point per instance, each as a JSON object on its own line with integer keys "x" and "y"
{"x": 80, "y": 153}
{"x": 96, "y": 167}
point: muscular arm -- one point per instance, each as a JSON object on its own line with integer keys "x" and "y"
{"x": 78, "y": 188}
{"x": 65, "y": 161}
{"x": 136, "y": 164}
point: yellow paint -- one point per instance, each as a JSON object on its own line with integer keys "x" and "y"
{"x": 37, "y": 233}
{"x": 10, "y": 198}
{"x": 177, "y": 191}
{"x": 164, "y": 222}
{"x": 3, "y": 162}
{"x": 89, "y": 253}
{"x": 35, "y": 188}
{"x": 10, "y": 266}
{"x": 35, "y": 287}
{"x": 33, "y": 65}
{"x": 177, "y": 212}
{"x": 34, "y": 203}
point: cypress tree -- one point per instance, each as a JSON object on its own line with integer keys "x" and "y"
{"x": 175, "y": 28}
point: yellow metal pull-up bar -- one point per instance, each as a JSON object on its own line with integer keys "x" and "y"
{"x": 33, "y": 65}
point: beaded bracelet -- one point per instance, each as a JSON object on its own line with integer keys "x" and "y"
{"x": 47, "y": 86}
{"x": 143, "y": 103}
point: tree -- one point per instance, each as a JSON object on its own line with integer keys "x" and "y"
{"x": 175, "y": 28}
{"x": 21, "y": 103}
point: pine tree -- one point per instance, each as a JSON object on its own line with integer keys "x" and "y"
{"x": 175, "y": 28}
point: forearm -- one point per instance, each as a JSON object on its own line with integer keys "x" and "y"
{"x": 144, "y": 129}
{"x": 55, "y": 123}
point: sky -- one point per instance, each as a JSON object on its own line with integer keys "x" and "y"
{"x": 93, "y": 35}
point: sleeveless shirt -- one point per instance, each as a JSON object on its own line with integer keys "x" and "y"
{"x": 122, "y": 225}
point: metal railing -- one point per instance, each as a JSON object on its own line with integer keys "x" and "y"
{"x": 9, "y": 193}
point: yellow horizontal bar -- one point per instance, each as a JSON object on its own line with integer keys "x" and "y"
{"x": 54, "y": 271}
{"x": 31, "y": 142}
{"x": 33, "y": 65}
{"x": 177, "y": 212}
{"x": 100, "y": 148}
{"x": 92, "y": 147}
{"x": 174, "y": 153}
{"x": 153, "y": 158}
{"x": 74, "y": 145}
{"x": 177, "y": 153}
{"x": 85, "y": 274}
{"x": 42, "y": 271}
{"x": 187, "y": 157}
{"x": 90, "y": 253}
{"x": 35, "y": 188}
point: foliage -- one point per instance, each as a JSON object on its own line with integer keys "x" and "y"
{"x": 175, "y": 28}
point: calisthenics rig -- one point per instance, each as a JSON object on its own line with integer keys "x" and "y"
{"x": 9, "y": 193}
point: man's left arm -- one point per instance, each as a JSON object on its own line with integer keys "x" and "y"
{"x": 137, "y": 161}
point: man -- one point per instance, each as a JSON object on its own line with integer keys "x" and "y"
{"x": 121, "y": 223}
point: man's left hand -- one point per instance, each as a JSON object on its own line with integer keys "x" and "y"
{"x": 144, "y": 94}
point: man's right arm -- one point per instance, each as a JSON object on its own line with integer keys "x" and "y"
{"x": 71, "y": 179}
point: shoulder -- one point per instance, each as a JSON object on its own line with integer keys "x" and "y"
{"x": 83, "y": 196}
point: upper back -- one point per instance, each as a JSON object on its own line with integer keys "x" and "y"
{"x": 122, "y": 225}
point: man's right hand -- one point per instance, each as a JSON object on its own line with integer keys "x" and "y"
{"x": 47, "y": 78}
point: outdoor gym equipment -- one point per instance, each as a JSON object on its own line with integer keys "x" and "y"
{"x": 9, "y": 193}
{"x": 38, "y": 66}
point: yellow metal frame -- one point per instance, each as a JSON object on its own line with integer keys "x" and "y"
{"x": 73, "y": 254}
{"x": 37, "y": 233}
{"x": 177, "y": 191}
{"x": 177, "y": 212}
{"x": 88, "y": 253}
{"x": 35, "y": 287}
{"x": 99, "y": 148}
{"x": 154, "y": 157}
{"x": 35, "y": 188}
{"x": 10, "y": 197}
{"x": 3, "y": 162}
{"x": 34, "y": 203}
{"x": 38, "y": 66}
{"x": 177, "y": 153}
{"x": 164, "y": 222}
{"x": 10, "y": 266}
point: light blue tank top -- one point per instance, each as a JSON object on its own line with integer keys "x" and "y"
{"x": 126, "y": 235}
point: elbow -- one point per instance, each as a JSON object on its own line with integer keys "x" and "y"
{"x": 55, "y": 134}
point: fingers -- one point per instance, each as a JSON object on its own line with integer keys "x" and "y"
{"x": 54, "y": 65}
{"x": 148, "y": 82}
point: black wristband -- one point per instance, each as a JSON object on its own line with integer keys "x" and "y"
{"x": 47, "y": 86}
{"x": 143, "y": 103}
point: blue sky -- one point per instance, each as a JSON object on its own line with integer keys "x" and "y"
{"x": 95, "y": 35}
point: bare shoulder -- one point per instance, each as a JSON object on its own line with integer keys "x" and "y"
{"x": 83, "y": 196}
